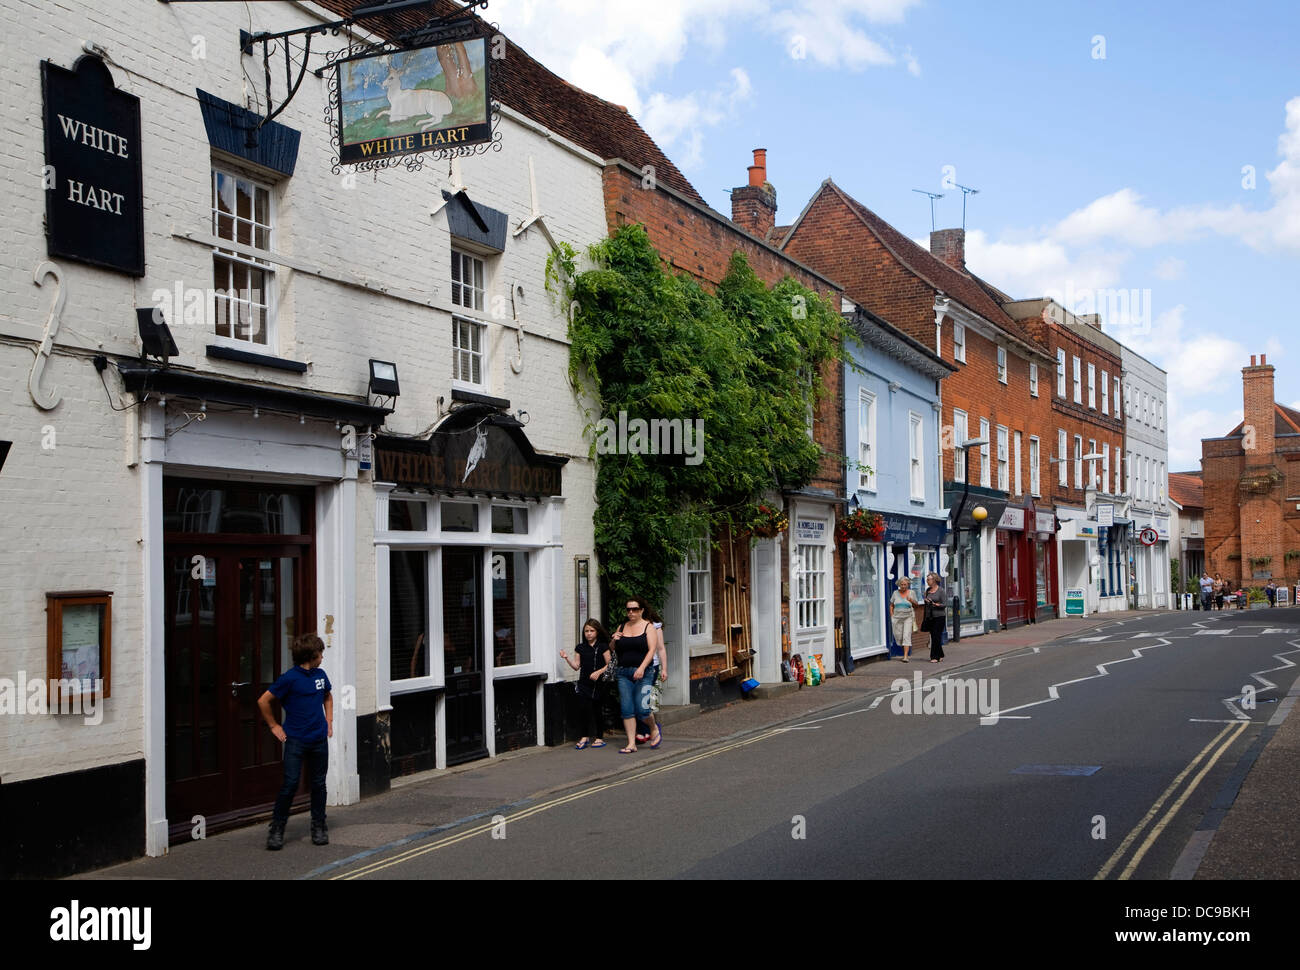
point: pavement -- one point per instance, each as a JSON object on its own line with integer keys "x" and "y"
{"x": 1252, "y": 832}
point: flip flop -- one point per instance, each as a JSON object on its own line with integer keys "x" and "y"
{"x": 598, "y": 743}
{"x": 661, "y": 739}
{"x": 581, "y": 744}
{"x": 627, "y": 750}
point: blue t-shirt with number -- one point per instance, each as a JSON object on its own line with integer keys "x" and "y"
{"x": 302, "y": 694}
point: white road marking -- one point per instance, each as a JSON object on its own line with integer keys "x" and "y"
{"x": 1210, "y": 633}
{"x": 1092, "y": 639}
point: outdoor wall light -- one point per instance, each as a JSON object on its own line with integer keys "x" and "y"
{"x": 979, "y": 513}
{"x": 383, "y": 378}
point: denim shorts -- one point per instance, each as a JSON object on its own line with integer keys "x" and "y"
{"x": 634, "y": 695}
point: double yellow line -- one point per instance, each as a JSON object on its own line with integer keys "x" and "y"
{"x": 1227, "y": 736}
{"x": 410, "y": 854}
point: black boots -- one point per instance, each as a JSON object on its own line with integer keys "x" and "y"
{"x": 275, "y": 838}
{"x": 320, "y": 835}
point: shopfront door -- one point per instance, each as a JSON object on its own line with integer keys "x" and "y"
{"x": 462, "y": 628}
{"x": 233, "y": 603}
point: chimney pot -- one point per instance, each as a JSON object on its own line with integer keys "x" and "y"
{"x": 753, "y": 206}
{"x": 1263, "y": 360}
{"x": 758, "y": 171}
{"x": 1252, "y": 360}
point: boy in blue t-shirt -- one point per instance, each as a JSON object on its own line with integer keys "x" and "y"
{"x": 304, "y": 692}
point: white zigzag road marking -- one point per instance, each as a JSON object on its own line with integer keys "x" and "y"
{"x": 1052, "y": 692}
{"x": 1230, "y": 702}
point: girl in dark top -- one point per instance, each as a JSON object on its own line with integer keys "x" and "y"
{"x": 636, "y": 641}
{"x": 590, "y": 659}
{"x": 935, "y": 620}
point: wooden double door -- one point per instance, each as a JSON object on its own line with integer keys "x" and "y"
{"x": 233, "y": 604}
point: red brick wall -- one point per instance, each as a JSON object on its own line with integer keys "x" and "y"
{"x": 1089, "y": 423}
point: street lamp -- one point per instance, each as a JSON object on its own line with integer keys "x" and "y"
{"x": 965, "y": 446}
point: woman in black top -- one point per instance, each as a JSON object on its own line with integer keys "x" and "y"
{"x": 636, "y": 641}
{"x": 935, "y": 620}
{"x": 590, "y": 659}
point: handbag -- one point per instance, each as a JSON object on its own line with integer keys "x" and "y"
{"x": 611, "y": 669}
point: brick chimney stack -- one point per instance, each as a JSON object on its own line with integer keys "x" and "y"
{"x": 1257, "y": 410}
{"x": 949, "y": 245}
{"x": 753, "y": 206}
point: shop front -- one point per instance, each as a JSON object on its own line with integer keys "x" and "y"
{"x": 973, "y": 567}
{"x": 1042, "y": 542}
{"x": 469, "y": 559}
{"x": 812, "y": 568}
{"x": 1026, "y": 541}
{"x": 866, "y": 599}
{"x": 912, "y": 548}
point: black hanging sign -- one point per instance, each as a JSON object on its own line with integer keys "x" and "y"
{"x": 94, "y": 202}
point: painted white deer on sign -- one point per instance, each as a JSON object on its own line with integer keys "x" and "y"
{"x": 413, "y": 102}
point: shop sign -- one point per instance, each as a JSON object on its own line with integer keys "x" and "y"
{"x": 1012, "y": 518}
{"x": 1044, "y": 522}
{"x": 1105, "y": 516}
{"x": 1074, "y": 602}
{"x": 1087, "y": 530}
{"x": 487, "y": 460}
{"x": 422, "y": 99}
{"x": 1161, "y": 525}
{"x": 94, "y": 203}
{"x": 914, "y": 531}
{"x": 810, "y": 530}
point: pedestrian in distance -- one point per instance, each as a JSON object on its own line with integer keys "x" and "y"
{"x": 936, "y": 618}
{"x": 304, "y": 693}
{"x": 1220, "y": 591}
{"x": 636, "y": 641}
{"x": 902, "y": 615}
{"x": 590, "y": 658}
{"x": 1271, "y": 592}
{"x": 1207, "y": 590}
{"x": 658, "y": 675}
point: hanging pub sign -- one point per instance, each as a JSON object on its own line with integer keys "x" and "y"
{"x": 417, "y": 100}
{"x": 94, "y": 203}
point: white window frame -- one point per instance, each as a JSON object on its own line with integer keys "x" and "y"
{"x": 1105, "y": 467}
{"x": 1060, "y": 372}
{"x": 1117, "y": 470}
{"x": 1092, "y": 464}
{"x": 1160, "y": 425}
{"x": 466, "y": 355}
{"x": 916, "y": 449}
{"x": 810, "y": 587}
{"x": 1004, "y": 471}
{"x": 959, "y": 342}
{"x": 1105, "y": 396}
{"x": 1062, "y": 457}
{"x": 1035, "y": 472}
{"x": 697, "y": 566}
{"x": 1092, "y": 386}
{"x": 1015, "y": 452}
{"x": 1078, "y": 461}
{"x": 1128, "y": 473}
{"x": 471, "y": 297}
{"x": 1002, "y": 365}
{"x": 867, "y": 439}
{"x": 1078, "y": 381}
{"x": 1033, "y": 379}
{"x": 985, "y": 469}
{"x": 1116, "y": 379}
{"x": 961, "y": 432}
{"x": 263, "y": 264}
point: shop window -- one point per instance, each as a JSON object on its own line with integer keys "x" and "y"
{"x": 510, "y": 615}
{"x": 697, "y": 589}
{"x": 810, "y": 589}
{"x": 242, "y": 212}
{"x": 407, "y": 516}
{"x": 865, "y": 598}
{"x": 459, "y": 517}
{"x": 408, "y": 614}
{"x": 508, "y": 520}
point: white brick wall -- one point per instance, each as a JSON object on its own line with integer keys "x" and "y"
{"x": 71, "y": 517}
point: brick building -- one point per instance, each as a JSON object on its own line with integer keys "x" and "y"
{"x": 1251, "y": 489}
{"x": 695, "y": 239}
{"x": 995, "y": 394}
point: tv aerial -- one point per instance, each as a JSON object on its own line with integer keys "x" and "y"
{"x": 933, "y": 196}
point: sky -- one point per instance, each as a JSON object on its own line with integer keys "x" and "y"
{"x": 1150, "y": 150}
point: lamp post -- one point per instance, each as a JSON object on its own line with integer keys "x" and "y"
{"x": 965, "y": 446}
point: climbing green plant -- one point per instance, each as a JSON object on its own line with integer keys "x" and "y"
{"x": 744, "y": 361}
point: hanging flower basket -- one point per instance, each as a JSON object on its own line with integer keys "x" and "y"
{"x": 859, "y": 525}
{"x": 767, "y": 522}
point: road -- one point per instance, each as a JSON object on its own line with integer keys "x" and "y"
{"x": 1098, "y": 760}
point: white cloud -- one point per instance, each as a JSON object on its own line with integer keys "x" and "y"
{"x": 1171, "y": 268}
{"x": 668, "y": 119}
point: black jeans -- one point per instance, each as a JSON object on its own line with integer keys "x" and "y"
{"x": 935, "y": 628}
{"x": 295, "y": 752}
{"x": 590, "y": 711}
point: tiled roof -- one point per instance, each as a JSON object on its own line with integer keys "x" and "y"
{"x": 1285, "y": 421}
{"x": 525, "y": 85}
{"x": 967, "y": 289}
{"x": 1187, "y": 490}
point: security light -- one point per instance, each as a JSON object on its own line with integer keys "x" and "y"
{"x": 383, "y": 378}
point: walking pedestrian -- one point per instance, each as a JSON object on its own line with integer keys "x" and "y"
{"x": 591, "y": 658}
{"x": 1207, "y": 590}
{"x": 304, "y": 692}
{"x": 636, "y": 641}
{"x": 658, "y": 675}
{"x": 1271, "y": 592}
{"x": 902, "y": 615}
{"x": 936, "y": 619}
{"x": 1220, "y": 591}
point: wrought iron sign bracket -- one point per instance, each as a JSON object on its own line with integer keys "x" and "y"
{"x": 268, "y": 40}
